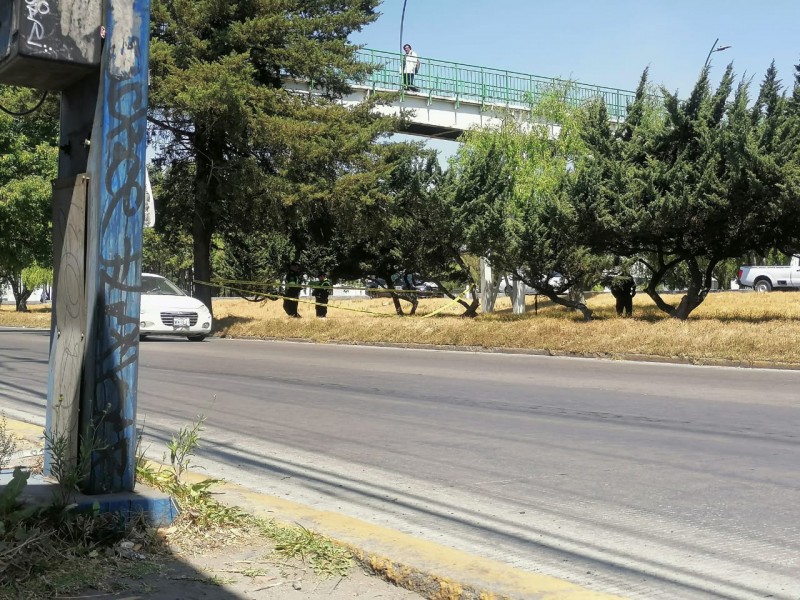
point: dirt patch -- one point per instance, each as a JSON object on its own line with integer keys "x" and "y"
{"x": 236, "y": 572}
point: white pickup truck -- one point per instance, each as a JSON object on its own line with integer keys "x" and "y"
{"x": 765, "y": 279}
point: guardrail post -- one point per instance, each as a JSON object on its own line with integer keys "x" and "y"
{"x": 458, "y": 87}
{"x": 483, "y": 89}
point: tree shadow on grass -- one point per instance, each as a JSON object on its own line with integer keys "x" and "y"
{"x": 225, "y": 323}
{"x": 646, "y": 314}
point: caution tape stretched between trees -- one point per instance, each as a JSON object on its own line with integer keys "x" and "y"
{"x": 271, "y": 296}
{"x": 277, "y": 284}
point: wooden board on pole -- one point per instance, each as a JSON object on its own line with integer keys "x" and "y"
{"x": 69, "y": 305}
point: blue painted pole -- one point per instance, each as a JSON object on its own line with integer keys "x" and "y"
{"x": 114, "y": 249}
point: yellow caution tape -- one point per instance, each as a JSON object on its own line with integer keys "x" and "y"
{"x": 224, "y": 282}
{"x": 299, "y": 301}
{"x": 449, "y": 304}
{"x": 311, "y": 302}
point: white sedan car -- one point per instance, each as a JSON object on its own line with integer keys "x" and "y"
{"x": 166, "y": 310}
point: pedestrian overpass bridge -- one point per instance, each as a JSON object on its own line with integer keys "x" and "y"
{"x": 449, "y": 98}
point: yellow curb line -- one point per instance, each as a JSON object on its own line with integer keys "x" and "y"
{"x": 25, "y": 431}
{"x": 355, "y": 534}
{"x": 460, "y": 566}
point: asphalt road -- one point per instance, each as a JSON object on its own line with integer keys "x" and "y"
{"x": 647, "y": 480}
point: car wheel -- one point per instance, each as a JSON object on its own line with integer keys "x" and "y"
{"x": 763, "y": 285}
{"x": 196, "y": 338}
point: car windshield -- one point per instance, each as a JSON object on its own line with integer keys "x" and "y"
{"x": 158, "y": 286}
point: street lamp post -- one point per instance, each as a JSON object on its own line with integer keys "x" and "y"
{"x": 714, "y": 48}
{"x": 402, "y": 22}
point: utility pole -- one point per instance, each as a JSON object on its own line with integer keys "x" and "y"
{"x": 95, "y": 52}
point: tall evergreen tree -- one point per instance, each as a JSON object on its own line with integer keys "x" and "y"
{"x": 696, "y": 182}
{"x": 252, "y": 149}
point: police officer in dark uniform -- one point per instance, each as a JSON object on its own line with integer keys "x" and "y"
{"x": 292, "y": 290}
{"x": 623, "y": 288}
{"x": 321, "y": 291}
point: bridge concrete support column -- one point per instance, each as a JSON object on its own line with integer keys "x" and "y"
{"x": 488, "y": 286}
{"x": 518, "y": 296}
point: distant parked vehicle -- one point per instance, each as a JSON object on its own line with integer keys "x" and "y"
{"x": 376, "y": 287}
{"x": 166, "y": 310}
{"x": 767, "y": 278}
{"x": 430, "y": 288}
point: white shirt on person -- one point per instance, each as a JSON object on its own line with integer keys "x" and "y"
{"x": 411, "y": 63}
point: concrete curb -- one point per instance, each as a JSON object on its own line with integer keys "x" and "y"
{"x": 434, "y": 571}
{"x": 620, "y": 356}
{"x": 430, "y": 569}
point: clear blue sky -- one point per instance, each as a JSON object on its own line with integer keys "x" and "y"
{"x": 606, "y": 42}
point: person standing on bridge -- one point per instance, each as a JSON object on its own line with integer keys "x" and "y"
{"x": 410, "y": 68}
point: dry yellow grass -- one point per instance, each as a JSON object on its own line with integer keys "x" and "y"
{"x": 39, "y": 316}
{"x": 747, "y": 328}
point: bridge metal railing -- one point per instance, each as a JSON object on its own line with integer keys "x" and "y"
{"x": 487, "y": 86}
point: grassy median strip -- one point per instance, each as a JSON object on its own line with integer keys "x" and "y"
{"x": 743, "y": 327}
{"x": 747, "y": 328}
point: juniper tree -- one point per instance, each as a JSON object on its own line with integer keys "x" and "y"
{"x": 687, "y": 184}
{"x": 411, "y": 226}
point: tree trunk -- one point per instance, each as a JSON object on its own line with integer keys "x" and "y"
{"x": 657, "y": 276}
{"x": 472, "y": 308}
{"x": 21, "y": 296}
{"x": 566, "y": 302}
{"x": 201, "y": 241}
{"x": 699, "y": 286}
{"x": 204, "y": 223}
{"x": 691, "y": 300}
{"x": 22, "y": 302}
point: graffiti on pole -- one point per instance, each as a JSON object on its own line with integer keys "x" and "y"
{"x": 118, "y": 150}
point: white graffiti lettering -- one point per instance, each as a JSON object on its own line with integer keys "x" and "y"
{"x": 36, "y": 10}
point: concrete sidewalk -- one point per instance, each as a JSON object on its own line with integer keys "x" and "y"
{"x": 396, "y": 566}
